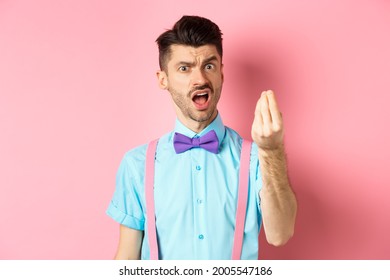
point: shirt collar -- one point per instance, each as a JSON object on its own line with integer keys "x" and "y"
{"x": 216, "y": 125}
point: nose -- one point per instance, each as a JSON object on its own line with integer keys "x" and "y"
{"x": 198, "y": 77}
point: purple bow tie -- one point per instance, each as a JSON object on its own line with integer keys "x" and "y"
{"x": 209, "y": 142}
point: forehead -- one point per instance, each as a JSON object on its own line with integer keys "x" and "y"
{"x": 192, "y": 54}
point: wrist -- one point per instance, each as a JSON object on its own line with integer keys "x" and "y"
{"x": 278, "y": 151}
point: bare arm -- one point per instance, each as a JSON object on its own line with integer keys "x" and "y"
{"x": 130, "y": 242}
{"x": 278, "y": 202}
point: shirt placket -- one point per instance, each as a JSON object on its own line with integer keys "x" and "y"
{"x": 200, "y": 235}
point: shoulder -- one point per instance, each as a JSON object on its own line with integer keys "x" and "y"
{"x": 232, "y": 138}
{"x": 136, "y": 157}
{"x": 235, "y": 139}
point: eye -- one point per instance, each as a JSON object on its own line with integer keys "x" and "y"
{"x": 183, "y": 68}
{"x": 209, "y": 66}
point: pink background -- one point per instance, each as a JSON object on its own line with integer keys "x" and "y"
{"x": 78, "y": 89}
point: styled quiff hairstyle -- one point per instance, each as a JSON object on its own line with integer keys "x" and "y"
{"x": 191, "y": 31}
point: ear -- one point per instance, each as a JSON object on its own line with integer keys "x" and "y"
{"x": 162, "y": 79}
{"x": 222, "y": 77}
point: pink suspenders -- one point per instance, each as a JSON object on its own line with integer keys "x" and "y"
{"x": 149, "y": 192}
{"x": 242, "y": 199}
{"x": 241, "y": 202}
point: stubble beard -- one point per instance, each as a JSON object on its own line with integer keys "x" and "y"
{"x": 193, "y": 114}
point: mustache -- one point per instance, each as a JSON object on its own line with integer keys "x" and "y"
{"x": 205, "y": 86}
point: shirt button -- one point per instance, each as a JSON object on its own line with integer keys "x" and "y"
{"x": 201, "y": 237}
{"x": 199, "y": 201}
{"x": 198, "y": 167}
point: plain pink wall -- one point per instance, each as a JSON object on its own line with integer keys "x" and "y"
{"x": 78, "y": 89}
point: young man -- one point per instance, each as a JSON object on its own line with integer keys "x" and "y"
{"x": 196, "y": 188}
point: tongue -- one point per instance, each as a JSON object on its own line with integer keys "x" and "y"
{"x": 200, "y": 100}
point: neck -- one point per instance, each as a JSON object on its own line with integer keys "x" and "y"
{"x": 197, "y": 126}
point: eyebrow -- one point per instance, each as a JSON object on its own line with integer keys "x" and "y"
{"x": 212, "y": 58}
{"x": 187, "y": 63}
{"x": 192, "y": 63}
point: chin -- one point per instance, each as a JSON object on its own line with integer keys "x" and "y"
{"x": 203, "y": 117}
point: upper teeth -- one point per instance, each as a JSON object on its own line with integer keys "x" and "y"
{"x": 201, "y": 94}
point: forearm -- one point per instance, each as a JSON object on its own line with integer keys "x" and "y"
{"x": 130, "y": 243}
{"x": 278, "y": 202}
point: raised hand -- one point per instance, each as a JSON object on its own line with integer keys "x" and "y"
{"x": 267, "y": 127}
{"x": 278, "y": 202}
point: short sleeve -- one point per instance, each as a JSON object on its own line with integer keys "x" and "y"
{"x": 126, "y": 205}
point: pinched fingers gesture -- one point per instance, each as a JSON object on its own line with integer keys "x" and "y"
{"x": 267, "y": 127}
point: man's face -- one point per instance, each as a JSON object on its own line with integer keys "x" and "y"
{"x": 194, "y": 78}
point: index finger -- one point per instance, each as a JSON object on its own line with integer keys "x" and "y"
{"x": 273, "y": 107}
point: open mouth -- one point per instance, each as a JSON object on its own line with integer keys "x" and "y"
{"x": 200, "y": 98}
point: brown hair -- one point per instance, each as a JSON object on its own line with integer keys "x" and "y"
{"x": 192, "y": 31}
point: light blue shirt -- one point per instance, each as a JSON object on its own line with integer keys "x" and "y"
{"x": 195, "y": 197}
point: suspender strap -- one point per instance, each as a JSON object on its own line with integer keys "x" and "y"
{"x": 149, "y": 191}
{"x": 242, "y": 199}
{"x": 241, "y": 202}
